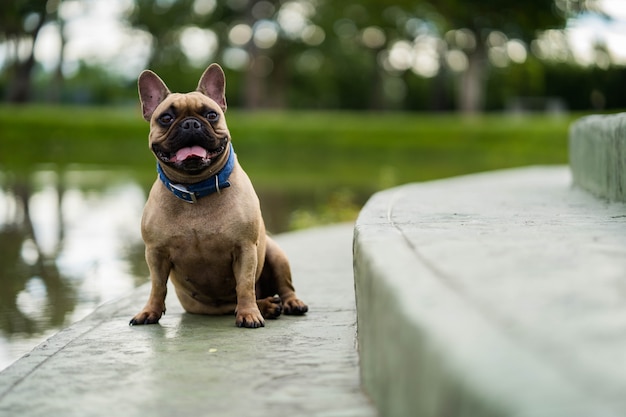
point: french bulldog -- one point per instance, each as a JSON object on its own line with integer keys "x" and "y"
{"x": 202, "y": 223}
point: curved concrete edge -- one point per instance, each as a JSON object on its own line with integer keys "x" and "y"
{"x": 425, "y": 349}
{"x": 25, "y": 366}
{"x": 597, "y": 152}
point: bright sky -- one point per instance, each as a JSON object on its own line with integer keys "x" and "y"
{"x": 95, "y": 33}
{"x": 586, "y": 31}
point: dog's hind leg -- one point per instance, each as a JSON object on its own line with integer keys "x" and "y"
{"x": 271, "y": 307}
{"x": 276, "y": 279}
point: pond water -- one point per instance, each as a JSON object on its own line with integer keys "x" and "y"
{"x": 70, "y": 241}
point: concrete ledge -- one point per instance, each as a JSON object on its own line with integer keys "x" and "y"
{"x": 597, "y": 147}
{"x": 192, "y": 365}
{"x": 497, "y": 294}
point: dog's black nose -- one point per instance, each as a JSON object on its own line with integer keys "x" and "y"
{"x": 191, "y": 123}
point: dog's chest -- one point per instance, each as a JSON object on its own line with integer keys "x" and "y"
{"x": 195, "y": 236}
{"x": 200, "y": 250}
{"x": 194, "y": 232}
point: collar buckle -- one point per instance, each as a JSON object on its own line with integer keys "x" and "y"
{"x": 183, "y": 193}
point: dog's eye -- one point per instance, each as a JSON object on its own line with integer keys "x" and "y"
{"x": 212, "y": 116}
{"x": 166, "y": 119}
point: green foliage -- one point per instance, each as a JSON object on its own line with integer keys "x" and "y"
{"x": 34, "y": 135}
{"x": 341, "y": 69}
{"x": 373, "y": 149}
{"x": 517, "y": 19}
{"x": 344, "y": 71}
{"x": 340, "y": 207}
{"x": 296, "y": 150}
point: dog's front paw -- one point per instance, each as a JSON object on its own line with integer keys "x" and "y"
{"x": 250, "y": 318}
{"x": 146, "y": 317}
{"x": 295, "y": 307}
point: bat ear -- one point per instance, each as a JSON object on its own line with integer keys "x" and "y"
{"x": 152, "y": 91}
{"x": 213, "y": 85}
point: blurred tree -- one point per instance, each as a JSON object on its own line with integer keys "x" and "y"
{"x": 356, "y": 33}
{"x": 164, "y": 20}
{"x": 169, "y": 22}
{"x": 55, "y": 92}
{"x": 488, "y": 32}
{"x": 365, "y": 54}
{"x": 246, "y": 35}
{"x": 20, "y": 24}
{"x": 352, "y": 54}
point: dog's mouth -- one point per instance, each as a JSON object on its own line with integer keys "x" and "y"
{"x": 195, "y": 152}
{"x": 190, "y": 158}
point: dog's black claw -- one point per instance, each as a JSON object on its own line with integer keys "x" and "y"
{"x": 135, "y": 322}
{"x": 274, "y": 314}
{"x": 296, "y": 310}
{"x": 251, "y": 325}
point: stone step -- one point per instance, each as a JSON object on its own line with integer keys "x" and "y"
{"x": 495, "y": 294}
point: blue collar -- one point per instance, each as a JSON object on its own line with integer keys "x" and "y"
{"x": 192, "y": 192}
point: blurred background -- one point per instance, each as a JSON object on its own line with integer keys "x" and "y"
{"x": 315, "y": 54}
{"x": 328, "y": 103}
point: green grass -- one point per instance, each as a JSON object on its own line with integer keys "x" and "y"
{"x": 296, "y": 150}
{"x": 383, "y": 149}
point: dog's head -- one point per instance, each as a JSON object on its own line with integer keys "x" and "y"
{"x": 188, "y": 132}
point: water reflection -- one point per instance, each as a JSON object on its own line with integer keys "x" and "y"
{"x": 68, "y": 242}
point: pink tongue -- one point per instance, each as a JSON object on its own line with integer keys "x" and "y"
{"x": 185, "y": 153}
